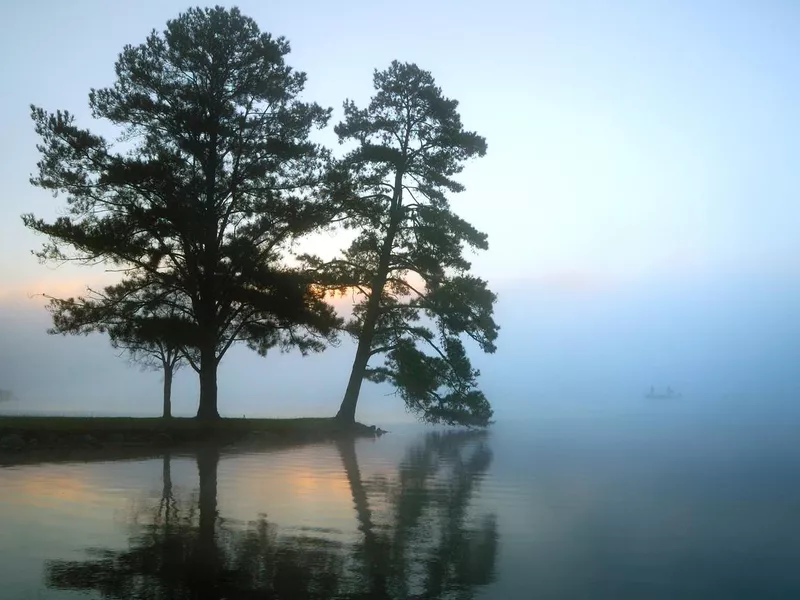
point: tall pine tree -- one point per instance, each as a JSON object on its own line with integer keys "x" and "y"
{"x": 212, "y": 183}
{"x": 417, "y": 298}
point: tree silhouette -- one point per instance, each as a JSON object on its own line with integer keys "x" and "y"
{"x": 171, "y": 554}
{"x": 180, "y": 550}
{"x": 213, "y": 181}
{"x": 374, "y": 552}
{"x": 421, "y": 545}
{"x": 427, "y": 530}
{"x": 151, "y": 335}
{"x": 416, "y": 297}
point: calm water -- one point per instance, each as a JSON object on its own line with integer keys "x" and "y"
{"x": 655, "y": 504}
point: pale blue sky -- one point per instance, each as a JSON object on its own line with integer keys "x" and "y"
{"x": 633, "y": 146}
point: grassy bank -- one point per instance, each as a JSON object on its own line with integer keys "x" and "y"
{"x": 174, "y": 425}
{"x": 23, "y": 439}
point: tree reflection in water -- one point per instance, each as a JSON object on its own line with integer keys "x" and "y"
{"x": 423, "y": 542}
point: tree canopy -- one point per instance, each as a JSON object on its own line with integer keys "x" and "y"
{"x": 200, "y": 200}
{"x": 201, "y": 197}
{"x": 417, "y": 299}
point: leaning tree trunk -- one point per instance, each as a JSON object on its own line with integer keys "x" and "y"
{"x": 347, "y": 410}
{"x": 376, "y": 552}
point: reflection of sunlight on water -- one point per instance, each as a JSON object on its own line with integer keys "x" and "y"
{"x": 303, "y": 487}
{"x": 52, "y": 507}
{"x": 72, "y": 489}
{"x": 564, "y": 510}
{"x": 389, "y": 520}
{"x": 410, "y": 513}
{"x": 47, "y": 489}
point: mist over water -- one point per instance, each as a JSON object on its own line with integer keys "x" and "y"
{"x": 728, "y": 344}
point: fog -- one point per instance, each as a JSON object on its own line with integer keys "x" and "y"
{"x": 730, "y": 344}
{"x": 639, "y": 194}
{"x": 722, "y": 336}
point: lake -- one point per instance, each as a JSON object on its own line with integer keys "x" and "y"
{"x": 654, "y": 503}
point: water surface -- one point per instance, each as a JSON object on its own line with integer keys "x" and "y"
{"x": 643, "y": 506}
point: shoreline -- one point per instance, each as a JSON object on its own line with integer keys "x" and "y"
{"x": 29, "y": 439}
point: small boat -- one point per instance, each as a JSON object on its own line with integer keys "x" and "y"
{"x": 669, "y": 393}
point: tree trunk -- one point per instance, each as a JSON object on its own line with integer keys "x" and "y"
{"x": 167, "y": 501}
{"x": 207, "y": 319}
{"x": 167, "y": 413}
{"x": 207, "y": 461}
{"x": 376, "y": 553}
{"x": 347, "y": 410}
{"x": 166, "y": 476}
{"x": 207, "y": 561}
{"x": 207, "y": 409}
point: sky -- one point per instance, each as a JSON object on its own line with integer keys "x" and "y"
{"x": 639, "y": 193}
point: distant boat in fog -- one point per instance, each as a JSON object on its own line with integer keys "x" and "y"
{"x": 669, "y": 393}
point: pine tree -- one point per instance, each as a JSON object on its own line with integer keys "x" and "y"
{"x": 213, "y": 180}
{"x": 417, "y": 298}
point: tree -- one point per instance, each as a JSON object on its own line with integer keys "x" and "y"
{"x": 151, "y": 335}
{"x": 215, "y": 180}
{"x": 416, "y": 296}
{"x": 142, "y": 341}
